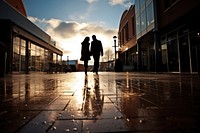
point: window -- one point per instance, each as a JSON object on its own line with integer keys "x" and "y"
{"x": 138, "y": 25}
{"x": 173, "y": 62}
{"x": 142, "y": 3}
{"x": 19, "y": 54}
{"x": 126, "y": 32}
{"x": 164, "y": 57}
{"x": 16, "y": 54}
{"x": 137, "y": 6}
{"x": 133, "y": 26}
{"x": 122, "y": 37}
{"x": 143, "y": 21}
{"x": 54, "y": 58}
{"x": 23, "y": 55}
{"x": 150, "y": 14}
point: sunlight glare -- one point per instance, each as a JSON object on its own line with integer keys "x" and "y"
{"x": 79, "y": 92}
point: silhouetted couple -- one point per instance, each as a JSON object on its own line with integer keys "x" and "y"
{"x": 96, "y": 50}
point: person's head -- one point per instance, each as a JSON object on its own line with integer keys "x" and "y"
{"x": 94, "y": 37}
{"x": 87, "y": 39}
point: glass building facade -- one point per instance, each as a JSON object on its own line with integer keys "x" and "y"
{"x": 38, "y": 57}
{"x": 179, "y": 35}
{"x": 145, "y": 24}
{"x": 180, "y": 50}
{"x": 144, "y": 11}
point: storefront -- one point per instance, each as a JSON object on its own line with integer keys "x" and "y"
{"x": 179, "y": 35}
{"x": 24, "y": 46}
{"x": 38, "y": 57}
{"x": 180, "y": 50}
{"x": 167, "y": 38}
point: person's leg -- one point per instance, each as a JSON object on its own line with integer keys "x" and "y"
{"x": 86, "y": 66}
{"x": 96, "y": 64}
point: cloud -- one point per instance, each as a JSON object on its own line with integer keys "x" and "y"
{"x": 69, "y": 34}
{"x": 91, "y": 1}
{"x": 125, "y": 3}
{"x": 66, "y": 30}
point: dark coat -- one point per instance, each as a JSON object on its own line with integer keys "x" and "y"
{"x": 85, "y": 53}
{"x": 96, "y": 48}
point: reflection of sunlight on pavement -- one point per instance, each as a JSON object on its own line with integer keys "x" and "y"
{"x": 79, "y": 87}
{"x": 92, "y": 98}
{"x": 108, "y": 102}
{"x": 79, "y": 98}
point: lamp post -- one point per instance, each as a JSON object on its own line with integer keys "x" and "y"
{"x": 67, "y": 62}
{"x": 125, "y": 56}
{"x": 114, "y": 37}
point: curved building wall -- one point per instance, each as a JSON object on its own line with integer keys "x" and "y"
{"x": 127, "y": 29}
{"x": 127, "y": 39}
{"x": 18, "y": 5}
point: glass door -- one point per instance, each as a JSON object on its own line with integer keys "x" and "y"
{"x": 184, "y": 54}
{"x": 173, "y": 62}
{"x": 194, "y": 44}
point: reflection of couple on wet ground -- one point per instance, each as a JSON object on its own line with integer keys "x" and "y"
{"x": 92, "y": 99}
{"x": 96, "y": 50}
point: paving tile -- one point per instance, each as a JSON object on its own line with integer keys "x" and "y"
{"x": 104, "y": 125}
{"x": 108, "y": 102}
{"x": 66, "y": 126}
{"x": 72, "y": 115}
{"x": 41, "y": 123}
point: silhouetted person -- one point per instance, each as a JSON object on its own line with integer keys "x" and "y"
{"x": 85, "y": 52}
{"x": 96, "y": 51}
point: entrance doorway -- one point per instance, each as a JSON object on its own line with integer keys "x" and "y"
{"x": 184, "y": 54}
{"x": 195, "y": 51}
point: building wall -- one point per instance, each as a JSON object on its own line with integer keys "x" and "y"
{"x": 18, "y": 5}
{"x": 168, "y": 35}
{"x": 127, "y": 30}
{"x": 9, "y": 13}
{"x": 173, "y": 43}
{"x": 6, "y": 40}
{"x": 169, "y": 12}
{"x": 127, "y": 38}
{"x": 179, "y": 35}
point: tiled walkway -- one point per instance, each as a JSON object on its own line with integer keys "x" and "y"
{"x": 108, "y": 102}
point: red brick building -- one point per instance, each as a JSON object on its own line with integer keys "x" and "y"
{"x": 127, "y": 38}
{"x": 18, "y": 5}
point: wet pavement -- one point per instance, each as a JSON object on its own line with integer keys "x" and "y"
{"x": 108, "y": 102}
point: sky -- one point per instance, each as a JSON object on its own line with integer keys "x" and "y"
{"x": 68, "y": 22}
